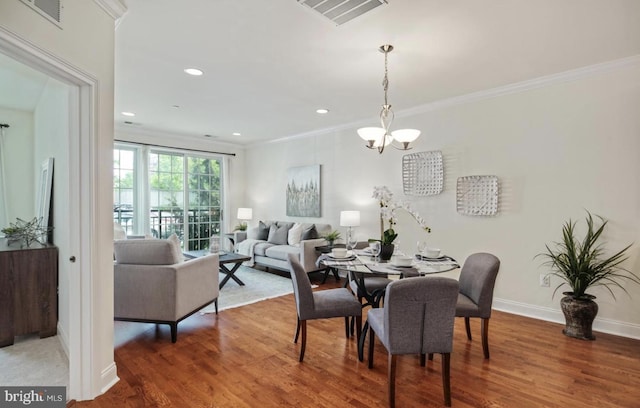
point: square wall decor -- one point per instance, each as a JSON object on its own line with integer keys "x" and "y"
{"x": 422, "y": 173}
{"x": 477, "y": 195}
{"x": 303, "y": 191}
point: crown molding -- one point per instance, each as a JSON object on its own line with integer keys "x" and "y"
{"x": 523, "y": 86}
{"x": 115, "y": 8}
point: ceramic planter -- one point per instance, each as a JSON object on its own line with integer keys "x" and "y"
{"x": 579, "y": 315}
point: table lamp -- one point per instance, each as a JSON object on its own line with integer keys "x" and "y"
{"x": 349, "y": 219}
{"x": 244, "y": 214}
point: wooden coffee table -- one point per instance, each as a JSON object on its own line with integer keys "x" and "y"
{"x": 226, "y": 258}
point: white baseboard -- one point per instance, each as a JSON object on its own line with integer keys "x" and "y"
{"x": 64, "y": 339}
{"x": 555, "y": 315}
{"x": 108, "y": 377}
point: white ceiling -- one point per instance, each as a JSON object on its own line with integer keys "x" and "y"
{"x": 269, "y": 64}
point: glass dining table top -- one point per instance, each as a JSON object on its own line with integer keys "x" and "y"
{"x": 363, "y": 262}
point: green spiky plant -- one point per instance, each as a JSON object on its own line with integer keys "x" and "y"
{"x": 582, "y": 264}
{"x": 332, "y": 236}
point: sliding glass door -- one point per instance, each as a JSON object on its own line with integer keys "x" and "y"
{"x": 183, "y": 195}
{"x": 124, "y": 165}
{"x": 204, "y": 201}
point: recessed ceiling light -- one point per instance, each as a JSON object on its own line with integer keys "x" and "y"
{"x": 322, "y": 111}
{"x": 193, "y": 71}
{"x": 236, "y": 134}
{"x": 128, "y": 113}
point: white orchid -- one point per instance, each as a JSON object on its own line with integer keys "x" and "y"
{"x": 388, "y": 208}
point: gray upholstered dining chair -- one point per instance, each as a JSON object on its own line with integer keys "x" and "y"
{"x": 477, "y": 280}
{"x": 417, "y": 318}
{"x": 322, "y": 304}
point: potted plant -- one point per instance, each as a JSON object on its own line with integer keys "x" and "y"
{"x": 582, "y": 264}
{"x": 240, "y": 227}
{"x": 332, "y": 237}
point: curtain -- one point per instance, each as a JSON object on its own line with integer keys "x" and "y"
{"x": 226, "y": 208}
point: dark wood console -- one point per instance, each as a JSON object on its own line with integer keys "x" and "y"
{"x": 28, "y": 291}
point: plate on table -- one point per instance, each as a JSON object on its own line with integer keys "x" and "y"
{"x": 413, "y": 265}
{"x": 341, "y": 258}
{"x": 438, "y": 259}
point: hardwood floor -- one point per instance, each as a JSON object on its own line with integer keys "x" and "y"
{"x": 245, "y": 357}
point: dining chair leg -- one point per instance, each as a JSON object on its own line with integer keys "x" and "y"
{"x": 372, "y": 339}
{"x": 295, "y": 338}
{"x": 347, "y": 332}
{"x": 485, "y": 337}
{"x": 392, "y": 380}
{"x": 468, "y": 327}
{"x": 358, "y": 328}
{"x": 423, "y": 359}
{"x": 430, "y": 356}
{"x": 446, "y": 383}
{"x": 303, "y": 326}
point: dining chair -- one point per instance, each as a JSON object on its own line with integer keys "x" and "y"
{"x": 323, "y": 304}
{"x": 417, "y": 318}
{"x": 477, "y": 280}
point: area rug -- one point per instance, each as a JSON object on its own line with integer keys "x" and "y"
{"x": 258, "y": 286}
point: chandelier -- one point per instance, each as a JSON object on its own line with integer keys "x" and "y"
{"x": 379, "y": 137}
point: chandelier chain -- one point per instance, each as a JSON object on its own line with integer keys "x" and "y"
{"x": 385, "y": 80}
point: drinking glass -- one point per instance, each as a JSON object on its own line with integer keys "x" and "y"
{"x": 376, "y": 248}
{"x": 421, "y": 246}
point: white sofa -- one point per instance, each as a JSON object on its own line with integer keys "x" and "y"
{"x": 265, "y": 244}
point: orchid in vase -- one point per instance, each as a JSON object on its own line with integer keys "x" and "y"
{"x": 388, "y": 208}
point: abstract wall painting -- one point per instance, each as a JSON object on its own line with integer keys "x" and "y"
{"x": 303, "y": 191}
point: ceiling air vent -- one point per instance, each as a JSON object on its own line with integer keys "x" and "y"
{"x": 341, "y": 11}
{"x": 50, "y": 9}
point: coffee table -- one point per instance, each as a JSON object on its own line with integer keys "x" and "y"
{"x": 226, "y": 258}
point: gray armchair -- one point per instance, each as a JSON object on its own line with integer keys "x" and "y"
{"x": 417, "y": 318}
{"x": 322, "y": 304}
{"x": 477, "y": 280}
{"x": 153, "y": 284}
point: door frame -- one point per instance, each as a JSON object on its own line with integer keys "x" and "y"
{"x": 86, "y": 378}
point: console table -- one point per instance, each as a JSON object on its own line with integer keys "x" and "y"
{"x": 28, "y": 291}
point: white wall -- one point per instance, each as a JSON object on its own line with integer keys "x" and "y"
{"x": 557, "y": 149}
{"x": 19, "y": 169}
{"x": 51, "y": 130}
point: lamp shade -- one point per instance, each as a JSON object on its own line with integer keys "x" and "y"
{"x": 371, "y": 133}
{"x": 245, "y": 213}
{"x": 405, "y": 135}
{"x": 349, "y": 218}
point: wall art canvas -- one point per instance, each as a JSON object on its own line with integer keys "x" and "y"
{"x": 303, "y": 191}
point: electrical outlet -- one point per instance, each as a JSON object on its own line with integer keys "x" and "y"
{"x": 545, "y": 280}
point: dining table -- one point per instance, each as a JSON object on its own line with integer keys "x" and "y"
{"x": 359, "y": 264}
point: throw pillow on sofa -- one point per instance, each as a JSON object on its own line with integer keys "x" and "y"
{"x": 309, "y": 233}
{"x": 294, "y": 234}
{"x": 278, "y": 235}
{"x": 260, "y": 232}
